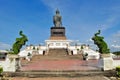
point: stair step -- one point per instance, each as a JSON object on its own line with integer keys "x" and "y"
{"x": 56, "y": 52}
{"x": 34, "y": 74}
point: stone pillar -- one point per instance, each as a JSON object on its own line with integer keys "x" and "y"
{"x": 106, "y": 62}
{"x": 47, "y": 49}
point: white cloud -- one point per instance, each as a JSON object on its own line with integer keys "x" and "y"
{"x": 4, "y": 46}
{"x": 115, "y": 38}
{"x": 116, "y": 46}
{"x": 114, "y": 41}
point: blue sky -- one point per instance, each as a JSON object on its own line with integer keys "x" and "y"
{"x": 82, "y": 18}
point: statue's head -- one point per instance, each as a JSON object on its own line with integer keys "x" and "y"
{"x": 57, "y": 11}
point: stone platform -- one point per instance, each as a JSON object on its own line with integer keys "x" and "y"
{"x": 57, "y": 63}
{"x": 60, "y": 65}
{"x": 58, "y": 59}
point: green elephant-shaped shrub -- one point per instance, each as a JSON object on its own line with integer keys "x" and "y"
{"x": 19, "y": 43}
{"x": 101, "y": 44}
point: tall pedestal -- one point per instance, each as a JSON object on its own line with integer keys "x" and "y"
{"x": 12, "y": 63}
{"x": 106, "y": 62}
{"x": 57, "y": 33}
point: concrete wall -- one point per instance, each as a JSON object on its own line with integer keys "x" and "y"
{"x": 57, "y": 43}
{"x": 116, "y": 63}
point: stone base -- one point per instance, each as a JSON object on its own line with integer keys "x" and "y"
{"x": 12, "y": 63}
{"x": 57, "y": 33}
{"x": 106, "y": 63}
{"x": 57, "y": 38}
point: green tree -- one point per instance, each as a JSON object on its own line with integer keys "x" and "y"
{"x": 19, "y": 43}
{"x": 101, "y": 44}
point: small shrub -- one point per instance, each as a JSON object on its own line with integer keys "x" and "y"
{"x": 1, "y": 69}
{"x": 86, "y": 54}
{"x": 118, "y": 71}
{"x": 29, "y": 54}
{"x": 77, "y": 49}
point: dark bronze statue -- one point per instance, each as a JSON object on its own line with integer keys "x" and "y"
{"x": 57, "y": 19}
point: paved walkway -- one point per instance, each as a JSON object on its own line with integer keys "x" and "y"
{"x": 63, "y": 78}
{"x": 61, "y": 65}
